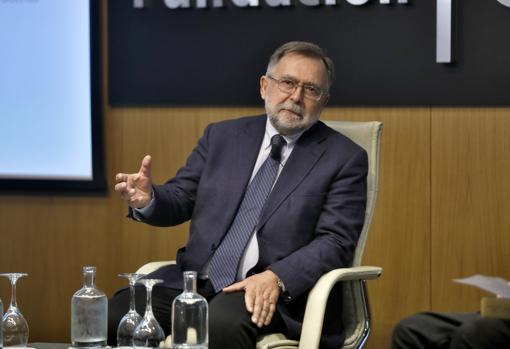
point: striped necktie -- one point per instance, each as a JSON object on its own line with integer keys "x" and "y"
{"x": 225, "y": 261}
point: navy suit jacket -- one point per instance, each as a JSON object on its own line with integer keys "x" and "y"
{"x": 309, "y": 225}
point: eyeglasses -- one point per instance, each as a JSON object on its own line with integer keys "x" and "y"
{"x": 289, "y": 86}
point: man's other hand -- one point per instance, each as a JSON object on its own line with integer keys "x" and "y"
{"x": 136, "y": 188}
{"x": 261, "y": 294}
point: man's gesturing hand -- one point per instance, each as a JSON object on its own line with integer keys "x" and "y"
{"x": 136, "y": 188}
{"x": 261, "y": 294}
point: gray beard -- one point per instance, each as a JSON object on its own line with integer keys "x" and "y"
{"x": 285, "y": 128}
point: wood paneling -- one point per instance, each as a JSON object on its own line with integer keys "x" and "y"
{"x": 470, "y": 190}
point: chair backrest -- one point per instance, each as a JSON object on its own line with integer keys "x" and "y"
{"x": 366, "y": 134}
{"x": 355, "y": 308}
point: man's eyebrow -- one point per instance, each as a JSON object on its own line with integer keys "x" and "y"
{"x": 307, "y": 83}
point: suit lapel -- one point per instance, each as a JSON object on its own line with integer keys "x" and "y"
{"x": 245, "y": 144}
{"x": 307, "y": 151}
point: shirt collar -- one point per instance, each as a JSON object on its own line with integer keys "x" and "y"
{"x": 271, "y": 131}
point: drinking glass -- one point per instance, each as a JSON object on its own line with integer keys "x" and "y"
{"x": 15, "y": 327}
{"x": 129, "y": 322}
{"x": 148, "y": 333}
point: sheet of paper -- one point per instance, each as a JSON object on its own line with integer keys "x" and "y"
{"x": 496, "y": 285}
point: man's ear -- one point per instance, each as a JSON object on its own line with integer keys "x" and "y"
{"x": 326, "y": 100}
{"x": 263, "y": 86}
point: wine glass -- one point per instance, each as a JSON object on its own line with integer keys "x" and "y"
{"x": 129, "y": 322}
{"x": 15, "y": 327}
{"x": 148, "y": 333}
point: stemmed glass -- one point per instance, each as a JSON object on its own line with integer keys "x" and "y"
{"x": 129, "y": 322}
{"x": 148, "y": 333}
{"x": 15, "y": 327}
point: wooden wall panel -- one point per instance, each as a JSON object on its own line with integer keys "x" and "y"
{"x": 51, "y": 238}
{"x": 470, "y": 206}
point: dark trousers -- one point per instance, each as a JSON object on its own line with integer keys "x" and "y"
{"x": 230, "y": 323}
{"x": 451, "y": 331}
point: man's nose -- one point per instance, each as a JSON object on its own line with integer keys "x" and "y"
{"x": 297, "y": 94}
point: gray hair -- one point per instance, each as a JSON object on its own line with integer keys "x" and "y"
{"x": 306, "y": 49}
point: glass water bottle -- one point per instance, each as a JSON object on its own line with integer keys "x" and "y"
{"x": 89, "y": 307}
{"x": 190, "y": 317}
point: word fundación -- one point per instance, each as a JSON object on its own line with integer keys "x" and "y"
{"x": 443, "y": 14}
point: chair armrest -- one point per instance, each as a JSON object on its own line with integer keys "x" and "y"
{"x": 153, "y": 266}
{"x": 318, "y": 298}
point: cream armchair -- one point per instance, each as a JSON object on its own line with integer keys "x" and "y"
{"x": 356, "y": 311}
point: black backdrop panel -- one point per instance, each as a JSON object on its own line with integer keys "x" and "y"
{"x": 384, "y": 54}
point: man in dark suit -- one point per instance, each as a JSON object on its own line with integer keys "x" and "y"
{"x": 308, "y": 223}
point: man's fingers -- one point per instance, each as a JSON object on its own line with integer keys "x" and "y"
{"x": 135, "y": 188}
{"x": 128, "y": 195}
{"x": 267, "y": 309}
{"x": 261, "y": 296}
{"x": 124, "y": 189}
{"x": 262, "y": 316}
{"x": 269, "y": 316}
{"x": 121, "y": 187}
{"x": 257, "y": 310}
{"x": 121, "y": 177}
{"x": 249, "y": 301}
{"x": 238, "y": 286}
{"x": 145, "y": 169}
